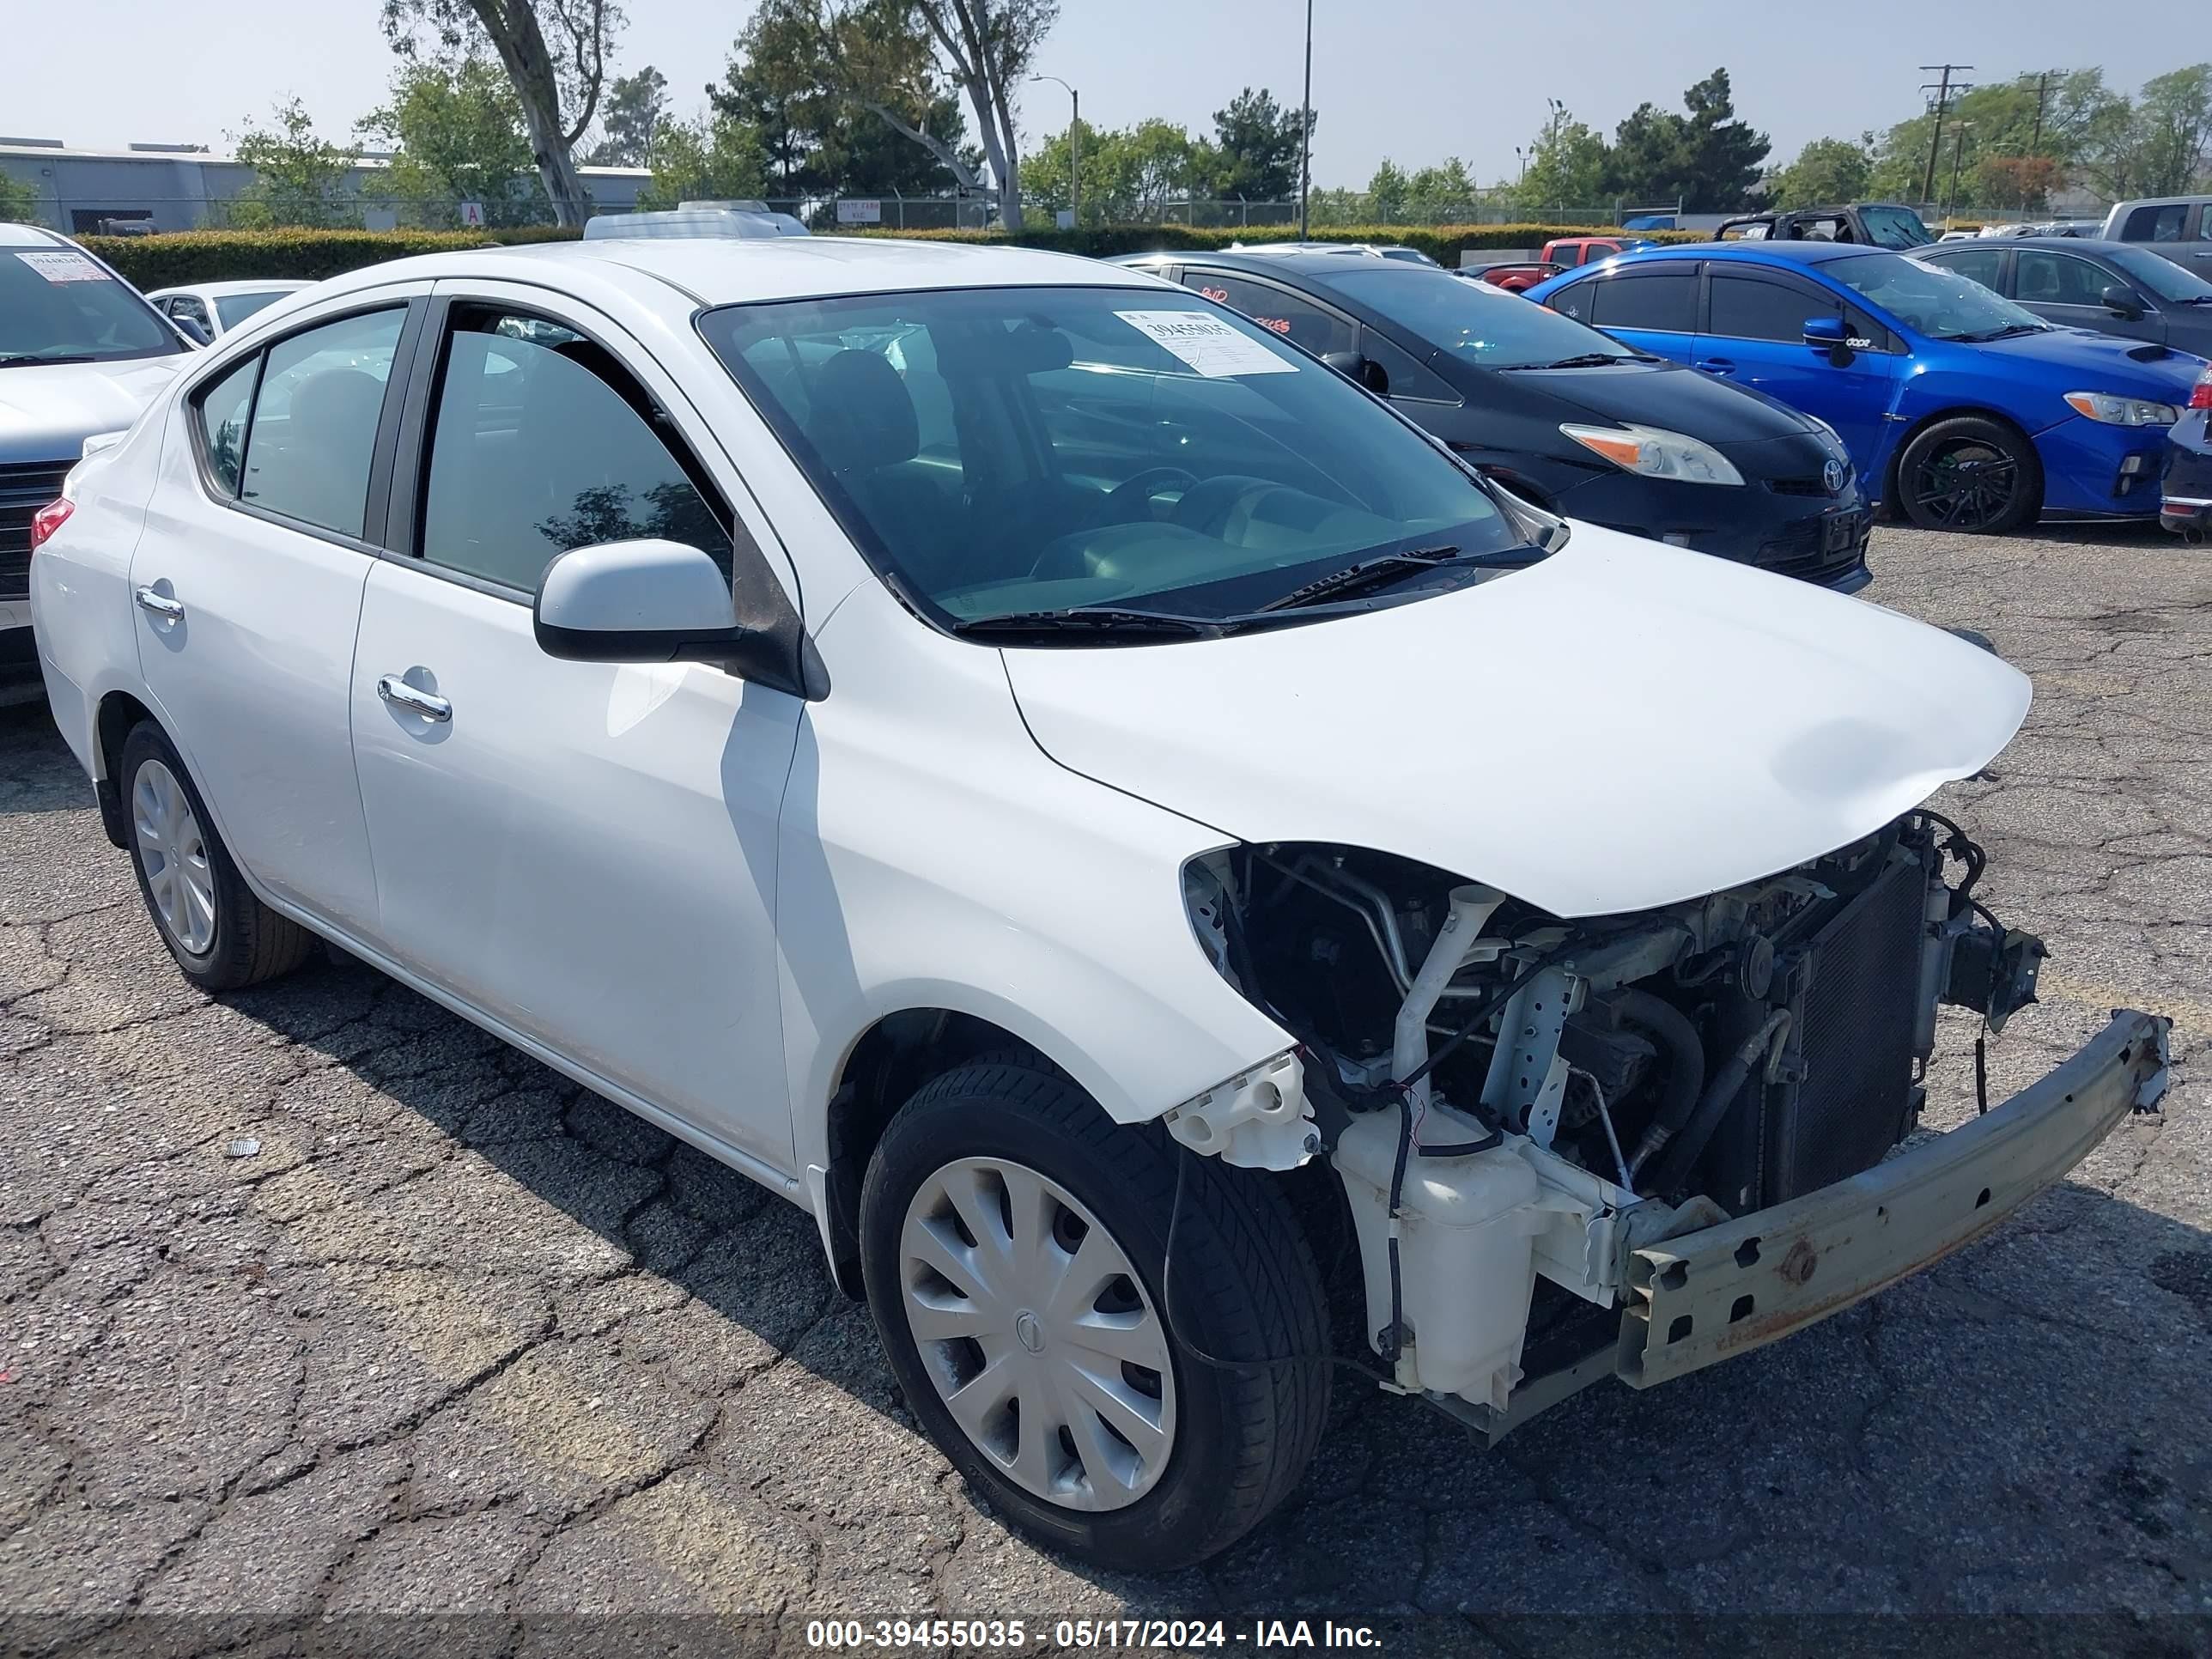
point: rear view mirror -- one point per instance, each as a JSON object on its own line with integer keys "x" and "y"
{"x": 637, "y": 601}
{"x": 2122, "y": 302}
{"x": 1360, "y": 371}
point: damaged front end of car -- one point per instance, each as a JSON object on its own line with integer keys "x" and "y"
{"x": 1633, "y": 1145}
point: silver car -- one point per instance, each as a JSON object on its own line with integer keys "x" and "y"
{"x": 215, "y": 308}
{"x": 81, "y": 353}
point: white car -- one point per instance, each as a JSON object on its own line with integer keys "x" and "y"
{"x": 215, "y": 308}
{"x": 81, "y": 353}
{"x": 1087, "y": 803}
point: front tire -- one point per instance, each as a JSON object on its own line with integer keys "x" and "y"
{"x": 223, "y": 936}
{"x": 1969, "y": 474}
{"x": 1013, "y": 1243}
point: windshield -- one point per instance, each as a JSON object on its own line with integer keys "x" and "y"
{"x": 2164, "y": 278}
{"x": 1004, "y": 452}
{"x": 1476, "y": 321}
{"x": 60, "y": 302}
{"x": 1895, "y": 227}
{"x": 1932, "y": 301}
{"x": 235, "y": 308}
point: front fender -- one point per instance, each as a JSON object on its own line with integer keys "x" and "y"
{"x": 933, "y": 856}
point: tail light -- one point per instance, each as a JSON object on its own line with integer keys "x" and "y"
{"x": 2200, "y": 395}
{"x": 49, "y": 518}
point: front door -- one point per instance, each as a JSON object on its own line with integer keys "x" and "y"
{"x": 586, "y": 853}
{"x": 248, "y": 583}
{"x": 2069, "y": 290}
{"x": 1754, "y": 335}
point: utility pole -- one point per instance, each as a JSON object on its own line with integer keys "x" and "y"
{"x": 2042, "y": 92}
{"x": 1305, "y": 129}
{"x": 1942, "y": 91}
{"x": 1958, "y": 153}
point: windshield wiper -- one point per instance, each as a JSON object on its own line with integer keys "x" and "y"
{"x": 1367, "y": 572}
{"x": 1096, "y": 618}
{"x": 1585, "y": 360}
{"x": 2005, "y": 333}
{"x": 34, "y": 360}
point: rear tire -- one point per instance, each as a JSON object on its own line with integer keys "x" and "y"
{"x": 223, "y": 936}
{"x": 1233, "y": 1441}
{"x": 1969, "y": 474}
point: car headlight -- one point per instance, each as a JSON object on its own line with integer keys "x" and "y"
{"x": 1657, "y": 453}
{"x": 2114, "y": 410}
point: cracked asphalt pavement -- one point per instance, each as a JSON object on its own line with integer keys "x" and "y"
{"x": 316, "y": 1301}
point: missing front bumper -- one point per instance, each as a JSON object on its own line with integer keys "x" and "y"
{"x": 1706, "y": 1296}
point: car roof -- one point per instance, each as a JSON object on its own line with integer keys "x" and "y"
{"x": 29, "y": 236}
{"x": 727, "y": 270}
{"x": 1755, "y": 249}
{"x": 2059, "y": 243}
{"x": 1317, "y": 266}
{"x": 273, "y": 285}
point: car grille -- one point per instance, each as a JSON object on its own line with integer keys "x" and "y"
{"x": 1854, "y": 1034}
{"x": 24, "y": 489}
{"x": 1796, "y": 552}
{"x": 1808, "y": 486}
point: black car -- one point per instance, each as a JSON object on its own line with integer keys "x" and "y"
{"x": 2113, "y": 288}
{"x": 1561, "y": 414}
{"x": 2186, "y": 486}
{"x": 1872, "y": 224}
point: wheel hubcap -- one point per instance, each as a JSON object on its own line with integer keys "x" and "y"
{"x": 1967, "y": 483}
{"x": 174, "y": 855}
{"x": 1038, "y": 1334}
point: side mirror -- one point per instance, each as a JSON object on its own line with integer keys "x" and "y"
{"x": 191, "y": 329}
{"x": 636, "y": 602}
{"x": 1360, "y": 371}
{"x": 2122, "y": 302}
{"x": 1826, "y": 335}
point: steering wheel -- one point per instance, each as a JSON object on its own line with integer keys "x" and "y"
{"x": 1126, "y": 499}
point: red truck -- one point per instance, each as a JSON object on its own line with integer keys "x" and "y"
{"x": 1560, "y": 253}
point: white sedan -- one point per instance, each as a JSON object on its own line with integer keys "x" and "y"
{"x": 1091, "y": 805}
{"x": 215, "y": 308}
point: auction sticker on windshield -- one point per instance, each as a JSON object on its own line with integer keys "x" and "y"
{"x": 64, "y": 267}
{"x": 1207, "y": 344}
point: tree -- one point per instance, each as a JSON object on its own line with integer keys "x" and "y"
{"x": 637, "y": 107}
{"x": 456, "y": 128}
{"x": 2016, "y": 181}
{"x": 1826, "y": 170}
{"x": 1706, "y": 159}
{"x": 893, "y": 59}
{"x": 717, "y": 158}
{"x": 1128, "y": 177}
{"x": 1566, "y": 167}
{"x": 2173, "y": 124}
{"x": 1386, "y": 190}
{"x": 1261, "y": 147}
{"x": 299, "y": 179}
{"x": 18, "y": 203}
{"x": 557, "y": 84}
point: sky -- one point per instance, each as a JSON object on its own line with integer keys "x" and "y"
{"x": 1412, "y": 80}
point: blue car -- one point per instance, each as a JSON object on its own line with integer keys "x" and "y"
{"x": 1958, "y": 406}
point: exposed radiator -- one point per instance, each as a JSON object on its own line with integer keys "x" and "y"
{"x": 1853, "y": 1034}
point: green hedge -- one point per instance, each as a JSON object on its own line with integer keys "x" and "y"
{"x": 217, "y": 256}
{"x": 1443, "y": 243}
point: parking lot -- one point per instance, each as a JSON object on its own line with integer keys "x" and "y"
{"x": 318, "y": 1301}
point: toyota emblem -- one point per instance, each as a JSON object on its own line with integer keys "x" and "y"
{"x": 1832, "y": 476}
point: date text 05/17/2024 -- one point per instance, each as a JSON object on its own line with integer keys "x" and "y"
{"x": 1168, "y": 1635}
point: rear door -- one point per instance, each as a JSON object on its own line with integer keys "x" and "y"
{"x": 2068, "y": 290}
{"x": 248, "y": 582}
{"x": 1754, "y": 335}
{"x": 1652, "y": 307}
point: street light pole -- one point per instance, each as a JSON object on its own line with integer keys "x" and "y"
{"x": 1074, "y": 148}
{"x": 1305, "y": 129}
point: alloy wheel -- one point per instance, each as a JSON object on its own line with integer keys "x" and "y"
{"x": 1038, "y": 1334}
{"x": 1966, "y": 483}
{"x": 173, "y": 853}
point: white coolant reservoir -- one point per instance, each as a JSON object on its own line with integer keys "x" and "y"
{"x": 1466, "y": 1230}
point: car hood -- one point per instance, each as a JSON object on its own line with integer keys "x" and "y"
{"x": 2122, "y": 365}
{"x": 1665, "y": 395}
{"x": 46, "y": 414}
{"x": 1624, "y": 726}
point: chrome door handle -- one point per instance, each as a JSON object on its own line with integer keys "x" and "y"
{"x": 161, "y": 604}
{"x": 413, "y": 699}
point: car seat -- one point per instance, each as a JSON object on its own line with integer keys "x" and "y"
{"x": 860, "y": 420}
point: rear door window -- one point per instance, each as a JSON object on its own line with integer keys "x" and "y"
{"x": 224, "y": 409}
{"x": 1661, "y": 301}
{"x": 1297, "y": 319}
{"x": 315, "y": 417}
{"x": 2159, "y": 222}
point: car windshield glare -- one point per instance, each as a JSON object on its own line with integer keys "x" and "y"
{"x": 1008, "y": 452}
{"x": 2165, "y": 279}
{"x": 1478, "y": 322}
{"x": 60, "y": 302}
{"x": 1895, "y": 227}
{"x": 1940, "y": 303}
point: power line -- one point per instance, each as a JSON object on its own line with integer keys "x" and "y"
{"x": 1942, "y": 91}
